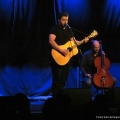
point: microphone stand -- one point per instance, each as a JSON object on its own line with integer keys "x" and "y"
{"x": 79, "y": 31}
{"x": 79, "y": 53}
{"x": 79, "y": 61}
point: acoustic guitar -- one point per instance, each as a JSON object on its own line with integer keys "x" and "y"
{"x": 60, "y": 59}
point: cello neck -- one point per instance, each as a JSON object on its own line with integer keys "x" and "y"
{"x": 102, "y": 57}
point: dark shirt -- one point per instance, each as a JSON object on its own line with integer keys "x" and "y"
{"x": 87, "y": 63}
{"x": 62, "y": 35}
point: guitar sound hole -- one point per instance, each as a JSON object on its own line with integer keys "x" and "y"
{"x": 70, "y": 49}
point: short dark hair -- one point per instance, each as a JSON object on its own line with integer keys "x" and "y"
{"x": 62, "y": 14}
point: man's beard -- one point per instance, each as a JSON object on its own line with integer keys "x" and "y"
{"x": 63, "y": 26}
{"x": 96, "y": 52}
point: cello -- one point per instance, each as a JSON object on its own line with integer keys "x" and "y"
{"x": 102, "y": 79}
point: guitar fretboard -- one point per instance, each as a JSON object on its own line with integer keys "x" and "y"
{"x": 79, "y": 43}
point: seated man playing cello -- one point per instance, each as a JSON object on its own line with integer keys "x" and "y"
{"x": 88, "y": 68}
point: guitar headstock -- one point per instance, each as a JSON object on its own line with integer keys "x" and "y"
{"x": 93, "y": 34}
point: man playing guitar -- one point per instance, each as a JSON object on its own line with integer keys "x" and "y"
{"x": 60, "y": 37}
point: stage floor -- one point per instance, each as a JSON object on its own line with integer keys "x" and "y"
{"x": 78, "y": 96}
{"x": 36, "y": 103}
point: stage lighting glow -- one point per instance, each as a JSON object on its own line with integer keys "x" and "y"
{"x": 77, "y": 9}
{"x": 112, "y": 10}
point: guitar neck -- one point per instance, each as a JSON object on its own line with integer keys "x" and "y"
{"x": 78, "y": 43}
{"x": 82, "y": 41}
{"x": 94, "y": 33}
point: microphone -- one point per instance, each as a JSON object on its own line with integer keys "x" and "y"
{"x": 68, "y": 26}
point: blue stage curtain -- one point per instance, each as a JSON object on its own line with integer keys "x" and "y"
{"x": 24, "y": 46}
{"x": 31, "y": 80}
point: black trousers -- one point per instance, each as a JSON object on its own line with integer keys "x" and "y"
{"x": 59, "y": 77}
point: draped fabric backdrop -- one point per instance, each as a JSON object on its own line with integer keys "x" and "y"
{"x": 24, "y": 30}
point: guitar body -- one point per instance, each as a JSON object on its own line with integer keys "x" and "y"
{"x": 72, "y": 48}
{"x": 61, "y": 59}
